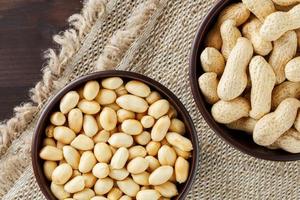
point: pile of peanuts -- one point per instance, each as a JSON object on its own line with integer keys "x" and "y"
{"x": 252, "y": 71}
{"x": 115, "y": 140}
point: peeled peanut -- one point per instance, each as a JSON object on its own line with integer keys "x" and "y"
{"x": 99, "y": 198}
{"x": 48, "y": 168}
{"x": 128, "y": 187}
{"x": 82, "y": 142}
{"x": 64, "y": 134}
{"x": 160, "y": 128}
{"x": 106, "y": 97}
{"x": 166, "y": 155}
{"x": 121, "y": 91}
{"x": 75, "y": 120}
{"x": 49, "y": 131}
{"x": 72, "y": 156}
{"x": 137, "y": 151}
{"x": 212, "y": 61}
{"x": 125, "y": 197}
{"x": 49, "y": 142}
{"x": 103, "y": 186}
{"x": 58, "y": 191}
{"x": 51, "y": 153}
{"x": 181, "y": 170}
{"x": 229, "y": 111}
{"x": 168, "y": 189}
{"x": 285, "y": 90}
{"x": 160, "y": 175}
{"x": 87, "y": 162}
{"x": 289, "y": 141}
{"x": 119, "y": 159}
{"x": 101, "y": 136}
{"x": 141, "y": 178}
{"x": 292, "y": 70}
{"x": 69, "y": 101}
{"x": 120, "y": 140}
{"x": 153, "y": 163}
{"x": 89, "y": 107}
{"x": 89, "y": 180}
{"x": 147, "y": 121}
{"x": 102, "y": 152}
{"x": 112, "y": 83}
{"x": 108, "y": 119}
{"x": 260, "y": 8}
{"x": 132, "y": 127}
{"x": 263, "y": 81}
{"x": 152, "y": 148}
{"x": 114, "y": 194}
{"x": 113, "y": 106}
{"x": 90, "y": 90}
{"x": 208, "y": 83}
{"x": 74, "y": 185}
{"x": 57, "y": 118}
{"x": 159, "y": 108}
{"x": 234, "y": 79}
{"x": 85, "y": 194}
{"x": 123, "y": 114}
{"x": 143, "y": 138}
{"x": 278, "y": 60}
{"x": 132, "y": 103}
{"x": 246, "y": 124}
{"x": 62, "y": 174}
{"x": 138, "y": 88}
{"x": 137, "y": 165}
{"x": 148, "y": 195}
{"x": 179, "y": 141}
{"x": 177, "y": 126}
{"x": 270, "y": 127}
{"x": 100, "y": 170}
{"x": 90, "y": 126}
{"x": 229, "y": 34}
{"x": 118, "y": 174}
{"x": 153, "y": 97}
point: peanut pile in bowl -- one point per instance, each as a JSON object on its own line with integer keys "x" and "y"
{"x": 113, "y": 139}
{"x": 252, "y": 71}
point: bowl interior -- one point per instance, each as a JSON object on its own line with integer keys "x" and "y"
{"x": 53, "y": 105}
{"x": 238, "y": 139}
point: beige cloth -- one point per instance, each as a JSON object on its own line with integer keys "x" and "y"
{"x": 160, "y": 50}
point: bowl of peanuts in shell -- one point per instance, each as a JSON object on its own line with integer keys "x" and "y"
{"x": 115, "y": 135}
{"x": 245, "y": 75}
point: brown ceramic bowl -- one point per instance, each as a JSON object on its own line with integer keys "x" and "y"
{"x": 238, "y": 139}
{"x": 53, "y": 105}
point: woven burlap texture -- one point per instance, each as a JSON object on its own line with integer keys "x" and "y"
{"x": 161, "y": 51}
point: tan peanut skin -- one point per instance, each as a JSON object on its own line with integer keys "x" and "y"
{"x": 284, "y": 50}
{"x": 292, "y": 70}
{"x": 270, "y": 127}
{"x": 260, "y": 8}
{"x": 212, "y": 60}
{"x": 278, "y": 23}
{"x": 251, "y": 31}
{"x": 236, "y": 11}
{"x": 289, "y": 141}
{"x": 297, "y": 122}
{"x": 208, "y": 83}
{"x": 286, "y": 2}
{"x": 229, "y": 34}
{"x": 226, "y": 112}
{"x": 263, "y": 81}
{"x": 285, "y": 90}
{"x": 245, "y": 124}
{"x": 234, "y": 79}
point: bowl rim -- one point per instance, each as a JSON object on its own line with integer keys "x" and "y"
{"x": 164, "y": 91}
{"x": 199, "y": 100}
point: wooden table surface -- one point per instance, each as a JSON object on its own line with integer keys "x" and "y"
{"x": 26, "y": 29}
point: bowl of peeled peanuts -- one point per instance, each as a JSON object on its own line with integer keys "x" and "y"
{"x": 115, "y": 135}
{"x": 245, "y": 76}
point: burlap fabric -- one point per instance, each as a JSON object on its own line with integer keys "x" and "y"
{"x": 153, "y": 38}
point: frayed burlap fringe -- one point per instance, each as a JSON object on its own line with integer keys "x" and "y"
{"x": 123, "y": 38}
{"x": 69, "y": 42}
{"x": 112, "y": 54}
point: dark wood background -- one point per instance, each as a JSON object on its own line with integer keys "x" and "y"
{"x": 26, "y": 29}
